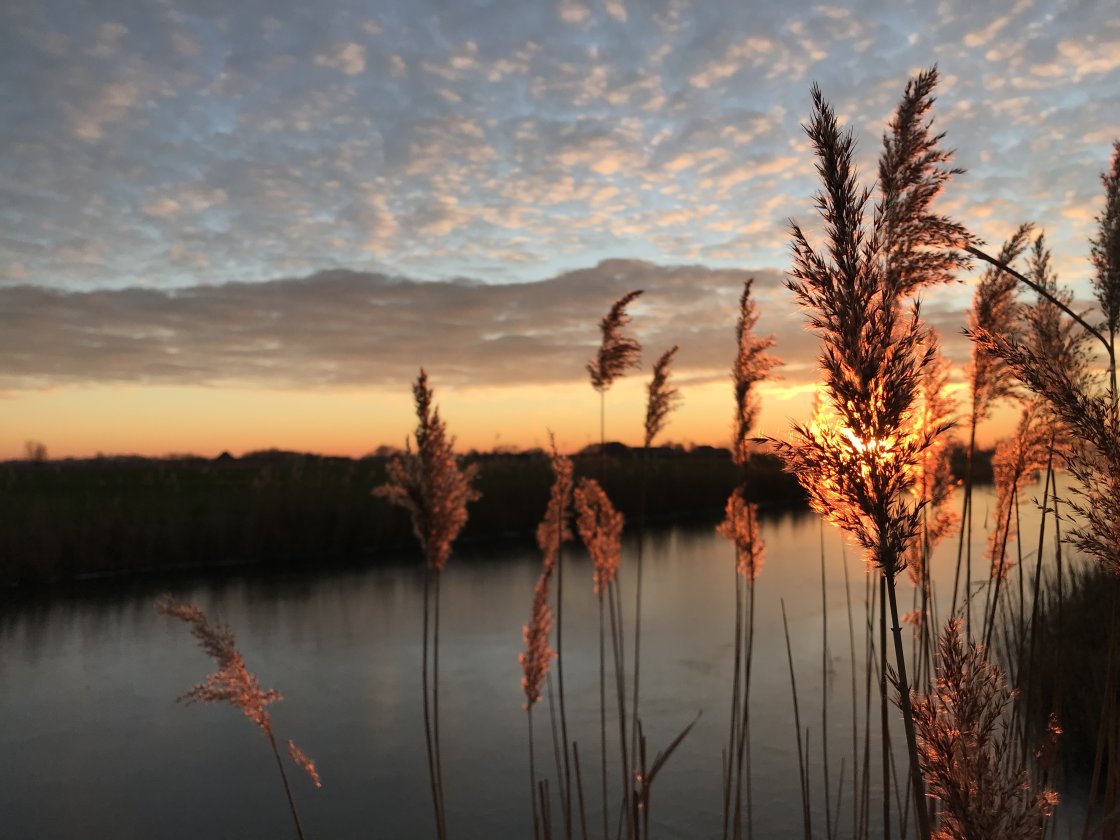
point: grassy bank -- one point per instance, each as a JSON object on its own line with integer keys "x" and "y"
{"x": 67, "y": 519}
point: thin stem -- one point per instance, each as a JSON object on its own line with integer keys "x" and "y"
{"x": 284, "y": 778}
{"x": 533, "y": 777}
{"x": 566, "y": 786}
{"x": 603, "y": 714}
{"x": 614, "y": 595}
{"x": 729, "y": 780}
{"x": 908, "y": 717}
{"x": 824, "y": 694}
{"x": 966, "y": 528}
{"x": 1043, "y": 292}
{"x": 435, "y": 714}
{"x": 801, "y": 771}
{"x": 425, "y": 675}
{"x": 886, "y": 744}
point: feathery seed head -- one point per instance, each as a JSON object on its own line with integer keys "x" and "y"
{"x": 752, "y": 364}
{"x": 300, "y": 758}
{"x": 231, "y": 683}
{"x": 994, "y": 309}
{"x": 1105, "y": 252}
{"x": 1093, "y": 458}
{"x": 617, "y": 352}
{"x": 537, "y": 655}
{"x": 429, "y": 483}
{"x": 740, "y": 525}
{"x": 966, "y": 751}
{"x": 554, "y": 528}
{"x": 857, "y": 468}
{"x": 600, "y": 528}
{"x": 663, "y": 397}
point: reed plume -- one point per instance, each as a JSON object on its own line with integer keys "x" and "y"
{"x": 933, "y": 482}
{"x": 856, "y": 470}
{"x": 233, "y": 683}
{"x": 537, "y": 654}
{"x": 1094, "y": 455}
{"x": 303, "y": 760}
{"x": 661, "y": 396}
{"x": 1016, "y": 458}
{"x": 740, "y": 525}
{"x": 618, "y": 353}
{"x": 966, "y": 750}
{"x": 661, "y": 399}
{"x": 429, "y": 483}
{"x": 433, "y": 489}
{"x": 1105, "y": 254}
{"x": 534, "y": 666}
{"x": 600, "y": 529}
{"x": 552, "y": 533}
{"x": 995, "y": 309}
{"x": 752, "y": 365}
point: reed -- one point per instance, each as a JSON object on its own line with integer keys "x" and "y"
{"x": 982, "y": 784}
{"x": 233, "y": 683}
{"x": 662, "y": 398}
{"x": 752, "y": 365}
{"x": 430, "y": 485}
{"x": 554, "y": 530}
{"x": 600, "y": 528}
{"x": 857, "y": 467}
{"x": 617, "y": 354}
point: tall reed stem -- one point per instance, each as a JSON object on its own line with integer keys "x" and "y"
{"x": 917, "y": 784}
{"x": 284, "y": 779}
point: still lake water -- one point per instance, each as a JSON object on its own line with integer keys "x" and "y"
{"x": 94, "y": 745}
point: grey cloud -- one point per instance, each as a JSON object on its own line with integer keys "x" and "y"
{"x": 360, "y": 329}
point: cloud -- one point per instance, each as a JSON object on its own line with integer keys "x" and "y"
{"x": 362, "y": 329}
{"x": 348, "y": 58}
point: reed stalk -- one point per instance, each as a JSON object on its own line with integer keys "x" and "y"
{"x": 433, "y": 489}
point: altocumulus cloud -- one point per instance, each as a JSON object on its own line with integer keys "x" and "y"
{"x": 346, "y": 328}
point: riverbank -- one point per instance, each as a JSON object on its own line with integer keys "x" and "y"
{"x": 78, "y": 519}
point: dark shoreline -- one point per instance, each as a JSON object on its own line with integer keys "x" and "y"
{"x": 117, "y": 518}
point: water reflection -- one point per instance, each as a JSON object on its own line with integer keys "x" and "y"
{"x": 92, "y": 672}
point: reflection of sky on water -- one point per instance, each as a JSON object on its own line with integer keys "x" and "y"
{"x": 92, "y": 674}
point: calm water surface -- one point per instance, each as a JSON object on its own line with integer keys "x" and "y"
{"x": 94, "y": 744}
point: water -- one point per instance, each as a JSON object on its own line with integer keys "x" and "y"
{"x": 94, "y": 745}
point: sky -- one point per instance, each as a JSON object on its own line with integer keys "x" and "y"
{"x": 233, "y": 226}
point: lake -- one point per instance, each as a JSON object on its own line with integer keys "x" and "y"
{"x": 94, "y": 744}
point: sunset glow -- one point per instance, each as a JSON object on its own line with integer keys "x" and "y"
{"x": 228, "y": 230}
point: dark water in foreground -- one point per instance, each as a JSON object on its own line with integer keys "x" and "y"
{"x": 92, "y": 743}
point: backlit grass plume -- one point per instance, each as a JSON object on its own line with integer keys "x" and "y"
{"x": 600, "y": 528}
{"x": 662, "y": 397}
{"x": 233, "y": 683}
{"x": 995, "y": 309}
{"x": 933, "y": 482}
{"x": 1016, "y": 459}
{"x": 969, "y": 757}
{"x": 552, "y": 532}
{"x": 1106, "y": 251}
{"x": 740, "y": 525}
{"x": 1094, "y": 455}
{"x": 857, "y": 469}
{"x": 752, "y": 365}
{"x": 618, "y": 352}
{"x": 430, "y": 485}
